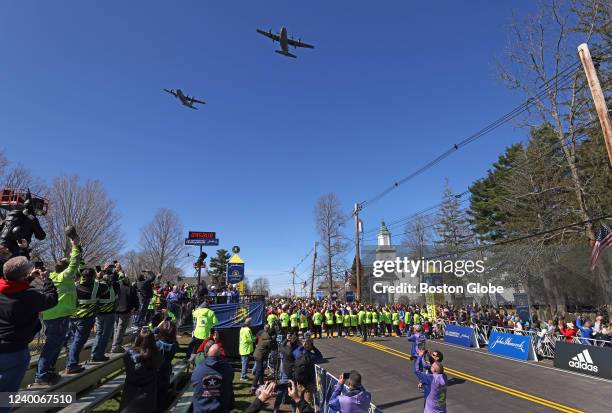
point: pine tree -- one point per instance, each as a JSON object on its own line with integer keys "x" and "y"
{"x": 218, "y": 267}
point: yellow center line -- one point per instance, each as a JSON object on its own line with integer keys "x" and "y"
{"x": 468, "y": 377}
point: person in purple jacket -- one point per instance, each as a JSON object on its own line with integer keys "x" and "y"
{"x": 417, "y": 339}
{"x": 434, "y": 384}
{"x": 355, "y": 399}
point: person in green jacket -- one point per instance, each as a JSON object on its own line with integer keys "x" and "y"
{"x": 56, "y": 319}
{"x": 246, "y": 344}
{"x": 386, "y": 316}
{"x": 271, "y": 318}
{"x": 329, "y": 322}
{"x": 317, "y": 321}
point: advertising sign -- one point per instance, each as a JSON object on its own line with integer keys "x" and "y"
{"x": 511, "y": 345}
{"x": 350, "y": 296}
{"x": 319, "y": 295}
{"x": 521, "y": 302}
{"x": 460, "y": 335}
{"x": 581, "y": 358}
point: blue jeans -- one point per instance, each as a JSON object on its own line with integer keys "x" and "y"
{"x": 245, "y": 365}
{"x": 55, "y": 332}
{"x": 81, "y": 328}
{"x": 12, "y": 369}
{"x": 105, "y": 323}
{"x": 258, "y": 373}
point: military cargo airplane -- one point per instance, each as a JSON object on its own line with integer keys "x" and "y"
{"x": 185, "y": 100}
{"x": 284, "y": 41}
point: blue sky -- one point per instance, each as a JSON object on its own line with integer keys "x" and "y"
{"x": 389, "y": 86}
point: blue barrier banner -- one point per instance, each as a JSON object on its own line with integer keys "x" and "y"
{"x": 459, "y": 335}
{"x": 511, "y": 345}
{"x": 233, "y": 315}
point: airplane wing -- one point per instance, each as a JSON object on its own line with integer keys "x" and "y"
{"x": 171, "y": 92}
{"x": 269, "y": 34}
{"x": 194, "y": 100}
{"x": 299, "y": 43}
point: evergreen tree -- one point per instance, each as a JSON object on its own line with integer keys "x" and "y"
{"x": 486, "y": 215}
{"x": 218, "y": 267}
{"x": 453, "y": 228}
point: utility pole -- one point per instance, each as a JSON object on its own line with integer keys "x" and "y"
{"x": 598, "y": 96}
{"x": 312, "y": 276}
{"x": 199, "y": 276}
{"x": 357, "y": 258}
{"x": 293, "y": 273}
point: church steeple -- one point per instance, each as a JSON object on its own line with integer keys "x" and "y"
{"x": 384, "y": 236}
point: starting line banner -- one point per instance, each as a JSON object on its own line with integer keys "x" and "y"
{"x": 511, "y": 345}
{"x": 581, "y": 358}
{"x": 233, "y": 315}
{"x": 325, "y": 387}
{"x": 460, "y": 335}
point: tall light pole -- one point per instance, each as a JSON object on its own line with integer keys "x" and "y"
{"x": 356, "y": 210}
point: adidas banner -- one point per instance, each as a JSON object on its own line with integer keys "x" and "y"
{"x": 581, "y": 358}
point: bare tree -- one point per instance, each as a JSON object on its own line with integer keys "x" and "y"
{"x": 418, "y": 236}
{"x": 162, "y": 243}
{"x": 329, "y": 221}
{"x": 133, "y": 263}
{"x": 260, "y": 286}
{"x": 91, "y": 211}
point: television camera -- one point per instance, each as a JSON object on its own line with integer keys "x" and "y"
{"x": 21, "y": 221}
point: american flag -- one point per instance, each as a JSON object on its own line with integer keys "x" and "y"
{"x": 603, "y": 240}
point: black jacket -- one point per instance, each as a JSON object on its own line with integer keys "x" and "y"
{"x": 140, "y": 387}
{"x": 212, "y": 386}
{"x": 145, "y": 287}
{"x": 288, "y": 358}
{"x": 263, "y": 347}
{"x": 128, "y": 300}
{"x": 19, "y": 320}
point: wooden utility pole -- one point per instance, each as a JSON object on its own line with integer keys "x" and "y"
{"x": 598, "y": 96}
{"x": 293, "y": 278}
{"x": 357, "y": 258}
{"x": 312, "y": 276}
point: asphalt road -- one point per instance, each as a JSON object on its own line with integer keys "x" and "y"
{"x": 478, "y": 382}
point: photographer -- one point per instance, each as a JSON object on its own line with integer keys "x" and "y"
{"x": 105, "y": 319}
{"x": 144, "y": 290}
{"x": 261, "y": 353}
{"x": 355, "y": 399}
{"x": 20, "y": 305}
{"x": 56, "y": 319}
{"x": 286, "y": 368}
{"x": 127, "y": 302}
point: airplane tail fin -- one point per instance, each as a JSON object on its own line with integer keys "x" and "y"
{"x": 285, "y": 53}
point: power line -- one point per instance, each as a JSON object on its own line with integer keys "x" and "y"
{"x": 557, "y": 81}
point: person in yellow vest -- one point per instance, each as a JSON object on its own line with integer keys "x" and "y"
{"x": 329, "y": 322}
{"x": 361, "y": 319}
{"x": 284, "y": 320}
{"x": 105, "y": 319}
{"x": 395, "y": 322}
{"x": 246, "y": 346}
{"x": 303, "y": 322}
{"x": 317, "y": 321}
{"x": 271, "y": 317}
{"x": 375, "y": 320}
{"x": 56, "y": 319}
{"x": 368, "y": 320}
{"x": 203, "y": 320}
{"x": 294, "y": 319}
{"x": 339, "y": 320}
{"x": 83, "y": 318}
{"x": 386, "y": 316}
{"x": 354, "y": 322}
{"x": 347, "y": 322}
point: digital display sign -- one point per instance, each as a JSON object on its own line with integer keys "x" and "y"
{"x": 202, "y": 235}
